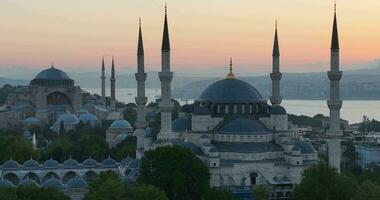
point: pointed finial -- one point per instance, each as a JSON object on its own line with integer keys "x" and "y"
{"x": 52, "y": 64}
{"x": 276, "y": 24}
{"x": 140, "y": 22}
{"x": 230, "y": 75}
{"x": 166, "y": 8}
{"x": 334, "y": 6}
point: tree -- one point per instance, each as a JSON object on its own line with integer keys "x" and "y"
{"x": 176, "y": 171}
{"x": 62, "y": 148}
{"x": 109, "y": 187}
{"x": 350, "y": 155}
{"x": 17, "y": 148}
{"x": 260, "y": 192}
{"x": 126, "y": 148}
{"x": 323, "y": 182}
{"x": 92, "y": 145}
{"x": 368, "y": 190}
{"x": 31, "y": 193}
{"x": 219, "y": 194}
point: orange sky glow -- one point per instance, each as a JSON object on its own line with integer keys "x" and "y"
{"x": 204, "y": 34}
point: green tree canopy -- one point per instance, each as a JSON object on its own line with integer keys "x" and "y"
{"x": 323, "y": 182}
{"x": 109, "y": 187}
{"x": 260, "y": 192}
{"x": 219, "y": 194}
{"x": 31, "y": 193}
{"x": 368, "y": 190}
{"x": 18, "y": 148}
{"x": 177, "y": 171}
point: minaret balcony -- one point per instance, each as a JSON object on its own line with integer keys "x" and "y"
{"x": 165, "y": 76}
{"x": 334, "y": 75}
{"x": 140, "y": 76}
{"x": 334, "y": 134}
{"x": 275, "y": 100}
{"x": 334, "y": 104}
{"x": 276, "y": 76}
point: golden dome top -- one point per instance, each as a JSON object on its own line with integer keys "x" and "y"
{"x": 230, "y": 75}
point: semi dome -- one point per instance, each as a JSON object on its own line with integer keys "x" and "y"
{"x": 52, "y": 183}
{"x": 243, "y": 126}
{"x": 52, "y": 77}
{"x": 50, "y": 164}
{"x": 31, "y": 164}
{"x": 11, "y": 164}
{"x": 182, "y": 124}
{"x": 76, "y": 183}
{"x": 6, "y": 184}
{"x": 277, "y": 110}
{"x": 230, "y": 91}
{"x": 70, "y": 164}
{"x": 32, "y": 121}
{"x": 89, "y": 162}
{"x": 68, "y": 118}
{"x": 120, "y": 124}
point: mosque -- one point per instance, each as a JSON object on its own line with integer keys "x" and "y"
{"x": 244, "y": 140}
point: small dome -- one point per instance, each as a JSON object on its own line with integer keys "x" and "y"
{"x": 6, "y": 184}
{"x": 296, "y": 148}
{"x": 114, "y": 116}
{"x": 305, "y": 147}
{"x": 52, "y": 183}
{"x": 76, "y": 183}
{"x": 28, "y": 182}
{"x": 50, "y": 164}
{"x": 182, "y": 124}
{"x": 87, "y": 117}
{"x": 70, "y": 164}
{"x": 11, "y": 164}
{"x": 134, "y": 164}
{"x": 243, "y": 125}
{"x": 120, "y": 124}
{"x": 32, "y": 121}
{"x": 109, "y": 162}
{"x": 230, "y": 91}
{"x": 52, "y": 77}
{"x": 89, "y": 162}
{"x": 277, "y": 110}
{"x": 68, "y": 118}
{"x": 31, "y": 164}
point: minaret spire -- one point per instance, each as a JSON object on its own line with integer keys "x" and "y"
{"x": 166, "y": 76}
{"x": 165, "y": 37}
{"x": 334, "y": 133}
{"x": 113, "y": 98}
{"x": 103, "y": 83}
{"x": 141, "y": 99}
{"x": 276, "y": 74}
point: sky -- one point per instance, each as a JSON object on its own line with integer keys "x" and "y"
{"x": 75, "y": 34}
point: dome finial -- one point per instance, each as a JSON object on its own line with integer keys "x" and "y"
{"x": 52, "y": 64}
{"x": 231, "y": 75}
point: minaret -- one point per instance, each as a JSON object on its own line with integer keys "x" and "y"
{"x": 141, "y": 99}
{"x": 166, "y": 76}
{"x": 103, "y": 78}
{"x": 276, "y": 75}
{"x": 334, "y": 132}
{"x": 113, "y": 99}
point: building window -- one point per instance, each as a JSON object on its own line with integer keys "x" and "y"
{"x": 235, "y": 109}
{"x": 226, "y": 109}
{"x": 243, "y": 109}
{"x": 218, "y": 108}
{"x": 250, "y": 108}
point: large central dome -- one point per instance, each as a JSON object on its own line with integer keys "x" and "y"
{"x": 52, "y": 77}
{"x": 231, "y": 91}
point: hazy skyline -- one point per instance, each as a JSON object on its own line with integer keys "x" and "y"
{"x": 203, "y": 34}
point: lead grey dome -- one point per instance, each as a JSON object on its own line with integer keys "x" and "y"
{"x": 70, "y": 164}
{"x": 243, "y": 125}
{"x": 230, "y": 91}
{"x": 51, "y": 164}
{"x": 11, "y": 164}
{"x": 89, "y": 162}
{"x": 52, "y": 183}
{"x": 120, "y": 124}
{"x": 68, "y": 118}
{"x": 52, "y": 77}
{"x": 76, "y": 183}
{"x": 31, "y": 164}
{"x": 6, "y": 184}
